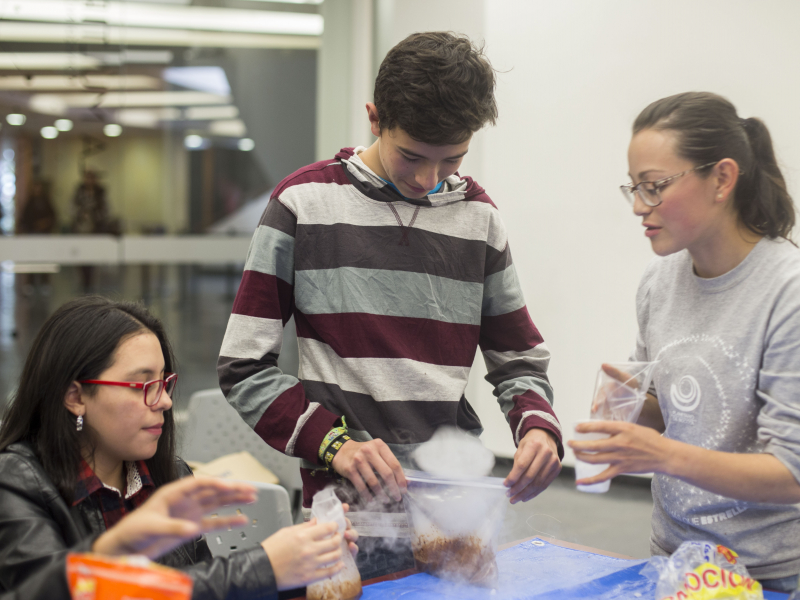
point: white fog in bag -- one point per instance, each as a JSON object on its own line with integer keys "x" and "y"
{"x": 455, "y": 512}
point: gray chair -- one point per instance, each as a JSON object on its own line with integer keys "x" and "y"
{"x": 270, "y": 512}
{"x": 213, "y": 428}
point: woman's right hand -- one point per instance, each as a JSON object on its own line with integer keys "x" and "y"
{"x": 304, "y": 553}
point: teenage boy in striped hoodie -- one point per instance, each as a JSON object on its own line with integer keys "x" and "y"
{"x": 396, "y": 268}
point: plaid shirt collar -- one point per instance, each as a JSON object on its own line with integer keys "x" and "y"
{"x": 138, "y": 478}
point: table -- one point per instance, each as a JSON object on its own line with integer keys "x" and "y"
{"x": 535, "y": 569}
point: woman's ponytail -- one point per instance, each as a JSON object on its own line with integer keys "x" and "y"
{"x": 762, "y": 200}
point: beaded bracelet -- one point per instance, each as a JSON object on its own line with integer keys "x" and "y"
{"x": 334, "y": 448}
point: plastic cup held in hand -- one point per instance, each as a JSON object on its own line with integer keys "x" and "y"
{"x": 620, "y": 396}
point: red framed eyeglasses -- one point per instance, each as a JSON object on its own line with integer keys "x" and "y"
{"x": 152, "y": 389}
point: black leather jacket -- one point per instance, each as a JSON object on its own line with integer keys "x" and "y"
{"x": 38, "y": 529}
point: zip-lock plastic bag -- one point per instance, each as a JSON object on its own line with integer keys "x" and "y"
{"x": 621, "y": 397}
{"x": 702, "y": 571}
{"x": 454, "y": 526}
{"x": 346, "y": 584}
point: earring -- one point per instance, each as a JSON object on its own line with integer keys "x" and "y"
{"x": 719, "y": 196}
{"x": 79, "y": 423}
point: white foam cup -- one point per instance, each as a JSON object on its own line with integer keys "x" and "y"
{"x": 584, "y": 469}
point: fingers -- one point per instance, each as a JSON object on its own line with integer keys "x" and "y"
{"x": 353, "y": 548}
{"x": 540, "y": 482}
{"x": 610, "y": 427}
{"x": 540, "y": 474}
{"x": 321, "y": 531}
{"x": 516, "y": 472}
{"x": 398, "y": 483}
{"x": 351, "y": 534}
{"x": 609, "y": 473}
{"x": 617, "y": 374}
{"x": 368, "y": 464}
{"x": 328, "y": 558}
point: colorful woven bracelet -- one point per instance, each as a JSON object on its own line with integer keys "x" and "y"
{"x": 334, "y": 448}
{"x": 329, "y": 437}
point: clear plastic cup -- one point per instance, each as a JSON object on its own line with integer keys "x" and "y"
{"x": 584, "y": 469}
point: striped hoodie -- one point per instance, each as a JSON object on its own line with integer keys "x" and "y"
{"x": 391, "y": 298}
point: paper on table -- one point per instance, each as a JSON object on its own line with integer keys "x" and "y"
{"x": 242, "y": 466}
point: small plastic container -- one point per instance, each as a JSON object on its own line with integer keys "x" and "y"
{"x": 584, "y": 469}
{"x": 346, "y": 584}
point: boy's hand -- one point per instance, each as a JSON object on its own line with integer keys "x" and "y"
{"x": 536, "y": 465}
{"x": 363, "y": 463}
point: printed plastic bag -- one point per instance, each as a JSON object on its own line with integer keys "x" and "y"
{"x": 345, "y": 584}
{"x": 92, "y": 577}
{"x": 621, "y": 398}
{"x": 702, "y": 571}
{"x": 454, "y": 526}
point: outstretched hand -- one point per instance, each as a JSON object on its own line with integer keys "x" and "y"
{"x": 173, "y": 515}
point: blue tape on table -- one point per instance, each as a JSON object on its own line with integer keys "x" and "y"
{"x": 537, "y": 570}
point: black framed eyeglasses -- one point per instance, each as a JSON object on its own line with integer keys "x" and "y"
{"x": 152, "y": 389}
{"x": 650, "y": 191}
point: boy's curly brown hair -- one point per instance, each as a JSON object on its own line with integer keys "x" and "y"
{"x": 436, "y": 86}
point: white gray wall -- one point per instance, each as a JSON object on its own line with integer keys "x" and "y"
{"x": 575, "y": 74}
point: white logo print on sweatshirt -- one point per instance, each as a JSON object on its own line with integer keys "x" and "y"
{"x": 686, "y": 395}
{"x": 690, "y": 370}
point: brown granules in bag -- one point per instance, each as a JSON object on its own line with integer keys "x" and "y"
{"x": 466, "y": 559}
{"x": 334, "y": 590}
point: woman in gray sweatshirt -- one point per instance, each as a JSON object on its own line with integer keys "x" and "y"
{"x": 719, "y": 309}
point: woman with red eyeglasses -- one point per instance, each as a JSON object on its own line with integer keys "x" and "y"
{"x": 90, "y": 435}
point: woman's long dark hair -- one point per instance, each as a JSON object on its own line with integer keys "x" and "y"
{"x": 77, "y": 342}
{"x": 709, "y": 130}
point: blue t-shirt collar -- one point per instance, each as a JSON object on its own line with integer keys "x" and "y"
{"x": 394, "y": 187}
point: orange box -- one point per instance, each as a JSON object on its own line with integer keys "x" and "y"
{"x": 92, "y": 577}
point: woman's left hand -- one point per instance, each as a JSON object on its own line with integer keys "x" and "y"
{"x": 630, "y": 449}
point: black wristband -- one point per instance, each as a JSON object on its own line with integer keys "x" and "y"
{"x": 333, "y": 449}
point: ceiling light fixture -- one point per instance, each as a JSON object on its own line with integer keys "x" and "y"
{"x": 228, "y": 128}
{"x": 128, "y": 99}
{"x": 104, "y": 35}
{"x": 112, "y": 130}
{"x": 39, "y": 83}
{"x": 45, "y": 61}
{"x": 194, "y": 142}
{"x": 160, "y": 16}
{"x": 16, "y": 119}
{"x": 246, "y": 144}
{"x": 64, "y": 125}
{"x": 49, "y": 133}
{"x": 210, "y": 113}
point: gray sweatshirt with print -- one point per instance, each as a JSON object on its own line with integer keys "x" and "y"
{"x": 728, "y": 379}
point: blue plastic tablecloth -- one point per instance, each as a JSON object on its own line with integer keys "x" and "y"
{"x": 537, "y": 570}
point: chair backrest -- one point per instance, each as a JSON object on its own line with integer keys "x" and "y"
{"x": 213, "y": 428}
{"x": 270, "y": 512}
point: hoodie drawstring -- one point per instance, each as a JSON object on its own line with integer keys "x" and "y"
{"x": 403, "y": 228}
